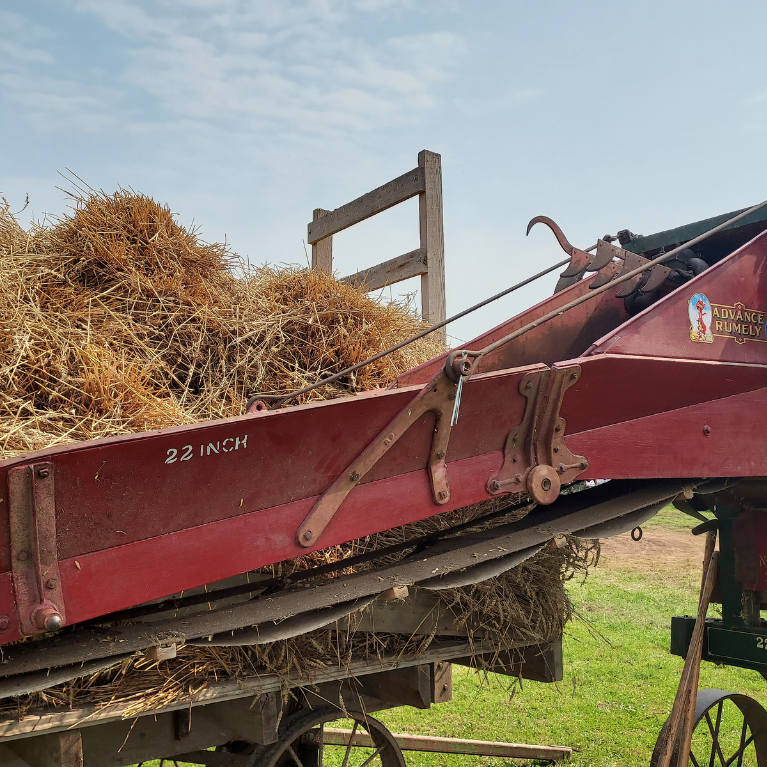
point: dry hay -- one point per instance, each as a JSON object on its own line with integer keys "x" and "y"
{"x": 116, "y": 320}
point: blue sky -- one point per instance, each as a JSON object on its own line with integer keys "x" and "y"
{"x": 246, "y": 115}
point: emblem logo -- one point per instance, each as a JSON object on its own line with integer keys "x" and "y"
{"x": 699, "y": 311}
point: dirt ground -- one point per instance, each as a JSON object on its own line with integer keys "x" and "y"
{"x": 659, "y": 544}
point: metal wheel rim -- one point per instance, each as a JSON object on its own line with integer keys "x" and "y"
{"x": 709, "y": 712}
{"x": 286, "y": 751}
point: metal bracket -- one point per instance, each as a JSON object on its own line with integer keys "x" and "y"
{"x": 536, "y": 459}
{"x": 438, "y": 397}
{"x": 608, "y": 262}
{"x": 34, "y": 559}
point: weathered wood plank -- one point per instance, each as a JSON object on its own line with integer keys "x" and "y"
{"x": 58, "y": 749}
{"x": 322, "y": 250}
{"x": 432, "y": 239}
{"x": 400, "y": 189}
{"x": 436, "y": 745}
{"x": 390, "y": 272}
{"x": 87, "y": 716}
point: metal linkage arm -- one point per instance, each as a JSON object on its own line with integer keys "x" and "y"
{"x": 438, "y": 397}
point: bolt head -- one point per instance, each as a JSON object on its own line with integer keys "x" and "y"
{"x": 546, "y": 484}
{"x": 495, "y": 486}
{"x": 442, "y": 495}
{"x": 5, "y": 623}
{"x": 53, "y": 622}
{"x": 558, "y": 427}
{"x": 584, "y": 464}
{"x": 707, "y": 430}
{"x": 308, "y": 535}
{"x": 51, "y": 583}
{"x": 354, "y": 476}
{"x": 573, "y": 376}
{"x": 42, "y": 473}
{"x": 441, "y": 454}
{"x": 556, "y": 449}
{"x": 22, "y": 556}
{"x": 529, "y": 385}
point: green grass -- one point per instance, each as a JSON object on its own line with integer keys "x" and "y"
{"x": 619, "y": 683}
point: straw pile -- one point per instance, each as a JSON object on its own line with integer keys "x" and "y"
{"x": 117, "y": 320}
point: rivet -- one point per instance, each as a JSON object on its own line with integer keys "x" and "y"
{"x": 22, "y": 556}
{"x": 51, "y": 583}
{"x": 5, "y": 623}
{"x": 558, "y": 427}
{"x": 441, "y": 454}
{"x": 515, "y": 458}
{"x": 707, "y": 430}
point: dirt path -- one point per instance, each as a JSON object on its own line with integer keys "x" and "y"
{"x": 660, "y": 548}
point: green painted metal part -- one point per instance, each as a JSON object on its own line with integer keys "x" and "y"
{"x": 717, "y": 247}
{"x": 741, "y": 647}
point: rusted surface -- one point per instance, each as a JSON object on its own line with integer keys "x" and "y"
{"x": 536, "y": 457}
{"x": 438, "y": 398}
{"x": 36, "y": 576}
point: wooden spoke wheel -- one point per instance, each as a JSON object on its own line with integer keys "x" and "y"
{"x": 302, "y": 743}
{"x": 729, "y": 729}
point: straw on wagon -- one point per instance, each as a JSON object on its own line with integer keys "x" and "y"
{"x": 116, "y": 319}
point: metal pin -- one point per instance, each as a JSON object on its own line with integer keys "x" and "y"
{"x": 457, "y": 405}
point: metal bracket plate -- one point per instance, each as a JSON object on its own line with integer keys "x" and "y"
{"x": 536, "y": 459}
{"x": 34, "y": 559}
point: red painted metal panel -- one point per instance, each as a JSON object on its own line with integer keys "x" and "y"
{"x": 559, "y": 339}
{"x": 120, "y": 490}
{"x": 116, "y": 494}
{"x": 721, "y": 438}
{"x": 726, "y": 304}
{"x": 614, "y": 388}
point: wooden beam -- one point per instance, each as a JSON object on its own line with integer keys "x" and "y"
{"x": 322, "y": 251}
{"x": 432, "y": 239}
{"x": 230, "y": 689}
{"x": 59, "y": 749}
{"x": 437, "y": 745}
{"x": 390, "y": 272}
{"x": 403, "y": 188}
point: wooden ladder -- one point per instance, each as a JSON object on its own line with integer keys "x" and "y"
{"x": 425, "y": 180}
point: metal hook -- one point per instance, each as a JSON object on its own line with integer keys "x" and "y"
{"x": 558, "y": 233}
{"x": 580, "y": 260}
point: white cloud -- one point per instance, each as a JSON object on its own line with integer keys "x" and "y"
{"x": 297, "y": 64}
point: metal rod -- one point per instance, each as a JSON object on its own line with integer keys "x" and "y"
{"x": 608, "y": 286}
{"x": 280, "y": 400}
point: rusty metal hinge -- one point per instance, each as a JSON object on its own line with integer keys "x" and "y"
{"x": 536, "y": 459}
{"x": 34, "y": 559}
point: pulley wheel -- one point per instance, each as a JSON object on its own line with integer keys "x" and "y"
{"x": 729, "y": 729}
{"x": 302, "y": 743}
{"x": 543, "y": 484}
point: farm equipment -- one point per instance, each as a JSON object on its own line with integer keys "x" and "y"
{"x": 649, "y": 372}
